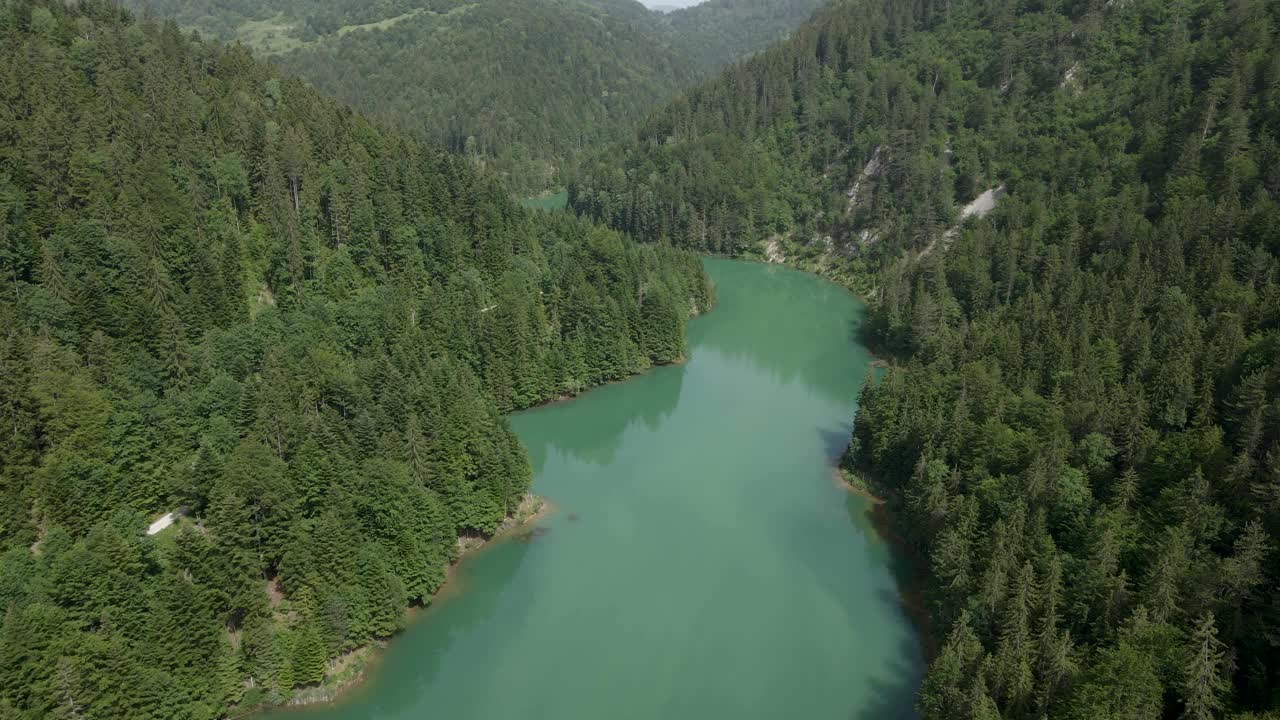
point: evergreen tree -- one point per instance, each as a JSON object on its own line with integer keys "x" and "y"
{"x": 1205, "y": 679}
{"x": 309, "y": 658}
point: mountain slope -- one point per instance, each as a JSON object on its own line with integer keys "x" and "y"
{"x": 513, "y": 83}
{"x": 712, "y": 33}
{"x": 225, "y": 293}
{"x": 1080, "y": 432}
{"x": 521, "y": 85}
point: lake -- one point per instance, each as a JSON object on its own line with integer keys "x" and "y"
{"x": 702, "y": 562}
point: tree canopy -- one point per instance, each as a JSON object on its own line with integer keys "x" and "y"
{"x": 1079, "y": 431}
{"x": 227, "y": 294}
{"x": 520, "y": 86}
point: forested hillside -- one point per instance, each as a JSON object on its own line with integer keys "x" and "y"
{"x": 225, "y": 293}
{"x": 518, "y": 85}
{"x": 1079, "y": 432}
{"x": 522, "y": 86}
{"x": 773, "y": 149}
{"x": 712, "y": 33}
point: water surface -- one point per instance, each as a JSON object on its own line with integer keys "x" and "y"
{"x": 702, "y": 563}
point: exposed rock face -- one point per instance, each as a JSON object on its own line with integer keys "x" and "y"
{"x": 869, "y": 172}
{"x": 981, "y": 205}
{"x": 773, "y": 251}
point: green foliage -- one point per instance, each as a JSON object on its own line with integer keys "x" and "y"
{"x": 1081, "y": 431}
{"x": 224, "y": 293}
{"x": 714, "y": 32}
{"x": 520, "y": 86}
{"x": 309, "y": 654}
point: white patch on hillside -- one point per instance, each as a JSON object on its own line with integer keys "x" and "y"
{"x": 1070, "y": 79}
{"x": 773, "y": 251}
{"x": 869, "y": 172}
{"x": 981, "y": 205}
{"x": 165, "y": 521}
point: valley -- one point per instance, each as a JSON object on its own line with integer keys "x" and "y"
{"x": 300, "y": 300}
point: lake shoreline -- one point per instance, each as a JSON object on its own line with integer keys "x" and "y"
{"x": 564, "y": 397}
{"x": 532, "y": 509}
{"x": 881, "y": 356}
{"x": 570, "y": 396}
{"x": 912, "y": 582}
{"x": 913, "y": 574}
{"x": 809, "y": 268}
{"x": 360, "y": 661}
{"x": 825, "y": 272}
{"x": 656, "y": 443}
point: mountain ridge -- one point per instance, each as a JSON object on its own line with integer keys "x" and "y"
{"x": 522, "y": 86}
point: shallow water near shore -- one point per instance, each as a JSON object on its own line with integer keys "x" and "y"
{"x": 701, "y": 562}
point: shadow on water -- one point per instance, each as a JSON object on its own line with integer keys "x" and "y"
{"x": 908, "y": 568}
{"x": 861, "y": 332}
{"x": 865, "y": 334}
{"x": 893, "y": 699}
{"x": 596, "y": 437}
{"x": 834, "y": 443}
{"x": 892, "y": 684}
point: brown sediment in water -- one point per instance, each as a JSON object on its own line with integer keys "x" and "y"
{"x": 532, "y": 509}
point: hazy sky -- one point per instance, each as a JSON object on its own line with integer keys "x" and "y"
{"x": 670, "y": 3}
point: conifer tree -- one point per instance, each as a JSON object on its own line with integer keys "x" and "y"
{"x": 1205, "y": 678}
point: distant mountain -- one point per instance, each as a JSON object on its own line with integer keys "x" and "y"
{"x": 669, "y": 5}
{"x": 522, "y": 86}
{"x": 718, "y": 31}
